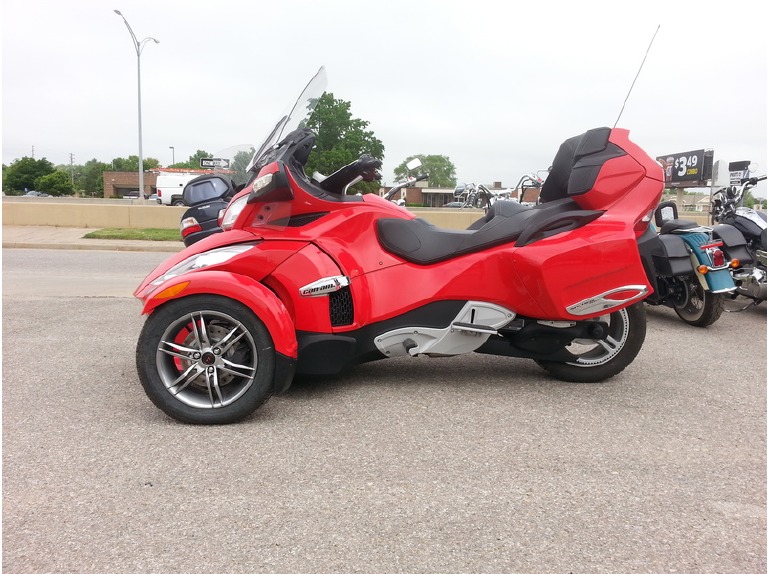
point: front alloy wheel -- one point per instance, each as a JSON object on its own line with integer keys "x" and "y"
{"x": 205, "y": 360}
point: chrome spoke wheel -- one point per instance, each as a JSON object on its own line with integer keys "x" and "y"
{"x": 697, "y": 306}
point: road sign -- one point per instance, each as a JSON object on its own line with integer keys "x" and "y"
{"x": 215, "y": 162}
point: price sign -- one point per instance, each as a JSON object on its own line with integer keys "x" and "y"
{"x": 687, "y": 169}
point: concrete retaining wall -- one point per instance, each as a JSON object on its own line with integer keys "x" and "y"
{"x": 91, "y": 215}
{"x": 82, "y": 213}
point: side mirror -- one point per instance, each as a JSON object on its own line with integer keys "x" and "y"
{"x": 460, "y": 189}
{"x": 413, "y": 164}
{"x": 210, "y": 187}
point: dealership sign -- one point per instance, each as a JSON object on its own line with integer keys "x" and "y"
{"x": 739, "y": 172}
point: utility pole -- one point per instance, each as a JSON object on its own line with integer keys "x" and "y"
{"x": 138, "y": 47}
{"x": 72, "y": 170}
{"x": 33, "y": 152}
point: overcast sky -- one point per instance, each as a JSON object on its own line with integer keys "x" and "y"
{"x": 494, "y": 88}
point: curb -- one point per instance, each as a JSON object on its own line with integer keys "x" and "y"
{"x": 163, "y": 247}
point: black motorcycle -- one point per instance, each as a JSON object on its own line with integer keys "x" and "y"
{"x": 726, "y": 208}
{"x": 207, "y": 197}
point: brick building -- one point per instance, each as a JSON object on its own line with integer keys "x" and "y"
{"x": 120, "y": 183}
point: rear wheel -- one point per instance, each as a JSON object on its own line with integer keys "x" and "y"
{"x": 205, "y": 360}
{"x": 598, "y": 360}
{"x": 696, "y": 306}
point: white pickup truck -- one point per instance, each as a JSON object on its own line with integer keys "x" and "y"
{"x": 169, "y": 187}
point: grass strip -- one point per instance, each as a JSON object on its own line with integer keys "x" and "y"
{"x": 149, "y": 234}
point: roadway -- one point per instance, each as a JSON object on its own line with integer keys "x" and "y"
{"x": 469, "y": 464}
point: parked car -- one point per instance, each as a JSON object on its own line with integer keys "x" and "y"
{"x": 34, "y": 193}
{"x": 169, "y": 187}
{"x": 456, "y": 204}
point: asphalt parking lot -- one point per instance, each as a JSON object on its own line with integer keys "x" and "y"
{"x": 469, "y": 464}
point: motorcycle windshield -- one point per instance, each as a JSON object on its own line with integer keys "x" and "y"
{"x": 296, "y": 118}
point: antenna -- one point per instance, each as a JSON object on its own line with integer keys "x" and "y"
{"x": 637, "y": 75}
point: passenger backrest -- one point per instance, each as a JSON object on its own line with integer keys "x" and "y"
{"x": 577, "y": 164}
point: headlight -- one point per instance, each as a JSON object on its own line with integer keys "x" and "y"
{"x": 201, "y": 260}
{"x": 233, "y": 211}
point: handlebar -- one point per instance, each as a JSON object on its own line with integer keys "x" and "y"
{"x": 748, "y": 184}
{"x": 406, "y": 183}
{"x": 726, "y": 199}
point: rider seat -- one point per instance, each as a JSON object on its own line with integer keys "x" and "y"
{"x": 422, "y": 243}
{"x": 574, "y": 172}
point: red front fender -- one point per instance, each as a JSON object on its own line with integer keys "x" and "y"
{"x": 261, "y": 300}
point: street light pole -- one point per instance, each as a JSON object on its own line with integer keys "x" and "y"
{"x": 138, "y": 46}
{"x": 173, "y": 161}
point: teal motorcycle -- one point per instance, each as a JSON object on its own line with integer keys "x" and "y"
{"x": 692, "y": 264}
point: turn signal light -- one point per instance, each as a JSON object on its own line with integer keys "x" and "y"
{"x": 735, "y": 263}
{"x": 172, "y": 291}
{"x": 703, "y": 269}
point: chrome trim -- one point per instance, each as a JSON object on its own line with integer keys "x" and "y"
{"x": 324, "y": 286}
{"x": 469, "y": 330}
{"x": 710, "y": 268}
{"x": 601, "y": 302}
{"x": 699, "y": 229}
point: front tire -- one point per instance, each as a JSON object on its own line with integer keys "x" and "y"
{"x": 596, "y": 361}
{"x": 696, "y": 306}
{"x": 206, "y": 360}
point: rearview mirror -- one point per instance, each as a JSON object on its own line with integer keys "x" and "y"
{"x": 413, "y": 164}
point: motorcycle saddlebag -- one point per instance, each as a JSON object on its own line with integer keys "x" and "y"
{"x": 734, "y": 243}
{"x": 671, "y": 257}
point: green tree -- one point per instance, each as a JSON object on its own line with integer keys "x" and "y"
{"x": 132, "y": 163}
{"x": 194, "y": 161}
{"x": 239, "y": 164}
{"x": 340, "y": 140}
{"x": 89, "y": 177}
{"x": 23, "y": 172}
{"x": 439, "y": 167}
{"x": 56, "y": 183}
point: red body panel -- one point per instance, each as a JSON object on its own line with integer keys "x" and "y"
{"x": 304, "y": 267}
{"x": 539, "y": 280}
